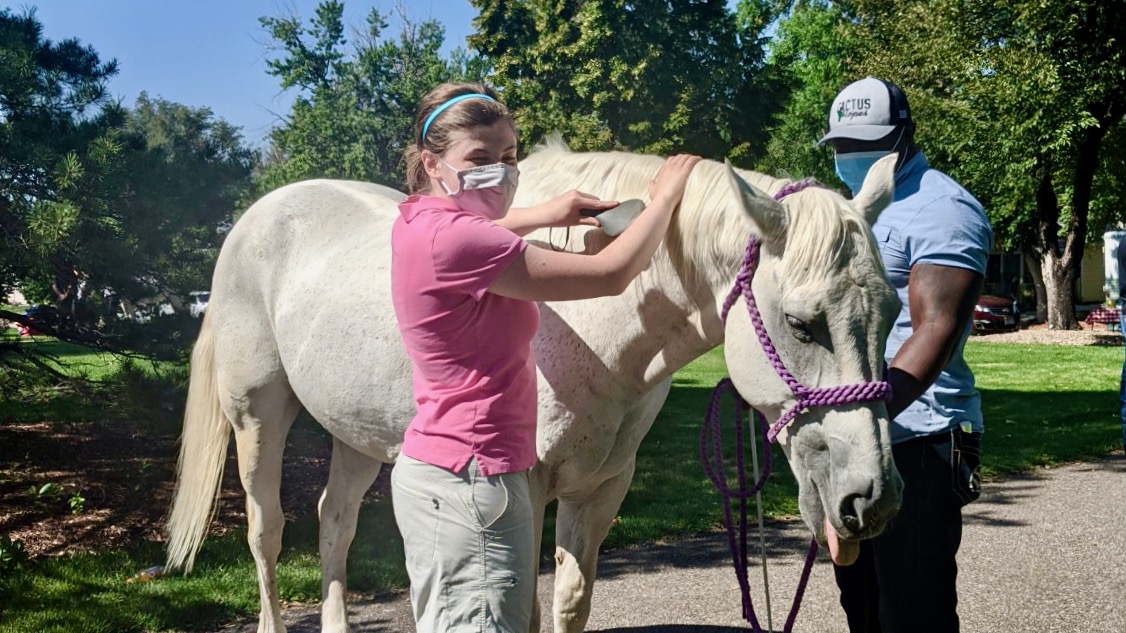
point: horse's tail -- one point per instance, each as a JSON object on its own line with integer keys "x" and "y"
{"x": 203, "y": 452}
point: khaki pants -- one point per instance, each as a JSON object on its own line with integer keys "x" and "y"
{"x": 469, "y": 547}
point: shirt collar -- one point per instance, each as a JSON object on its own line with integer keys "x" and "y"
{"x": 418, "y": 203}
{"x": 911, "y": 170}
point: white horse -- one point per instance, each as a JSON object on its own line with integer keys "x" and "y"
{"x": 300, "y": 316}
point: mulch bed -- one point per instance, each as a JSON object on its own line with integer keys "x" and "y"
{"x": 126, "y": 478}
{"x": 1040, "y": 334}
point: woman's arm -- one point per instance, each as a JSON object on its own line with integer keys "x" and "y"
{"x": 540, "y": 274}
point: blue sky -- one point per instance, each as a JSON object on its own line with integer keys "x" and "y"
{"x": 208, "y": 52}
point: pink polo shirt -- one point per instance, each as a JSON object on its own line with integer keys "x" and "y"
{"x": 470, "y": 349}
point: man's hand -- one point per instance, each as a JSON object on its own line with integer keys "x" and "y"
{"x": 942, "y": 302}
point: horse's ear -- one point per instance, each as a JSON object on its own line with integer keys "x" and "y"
{"x": 878, "y": 189}
{"x": 766, "y": 212}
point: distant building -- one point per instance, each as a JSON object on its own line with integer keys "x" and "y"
{"x": 1108, "y": 270}
{"x": 1007, "y": 276}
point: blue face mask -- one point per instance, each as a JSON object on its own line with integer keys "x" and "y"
{"x": 854, "y": 166}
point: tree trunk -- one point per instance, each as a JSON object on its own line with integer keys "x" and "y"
{"x": 1061, "y": 258}
{"x": 1059, "y": 282}
{"x": 1032, "y": 262}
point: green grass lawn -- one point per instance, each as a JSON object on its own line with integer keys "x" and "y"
{"x": 73, "y": 359}
{"x": 1046, "y": 404}
{"x": 46, "y": 402}
{"x": 1043, "y": 405}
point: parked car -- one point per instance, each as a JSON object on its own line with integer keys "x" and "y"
{"x": 198, "y": 302}
{"x": 33, "y": 314}
{"x": 996, "y": 314}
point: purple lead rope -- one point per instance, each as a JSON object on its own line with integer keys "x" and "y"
{"x": 806, "y": 398}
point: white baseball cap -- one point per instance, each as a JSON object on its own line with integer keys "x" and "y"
{"x": 867, "y": 110}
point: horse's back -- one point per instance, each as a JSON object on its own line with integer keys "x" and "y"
{"x": 284, "y": 244}
{"x": 303, "y": 285}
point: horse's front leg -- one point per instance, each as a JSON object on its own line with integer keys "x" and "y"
{"x": 580, "y": 527}
{"x": 350, "y": 476}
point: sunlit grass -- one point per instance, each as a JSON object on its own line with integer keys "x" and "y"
{"x": 72, "y": 359}
{"x": 1046, "y": 404}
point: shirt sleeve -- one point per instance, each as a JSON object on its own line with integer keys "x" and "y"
{"x": 1120, "y": 253}
{"x": 951, "y": 232}
{"x": 470, "y": 252}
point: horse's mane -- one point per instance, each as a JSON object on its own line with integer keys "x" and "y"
{"x": 709, "y": 233}
{"x": 824, "y": 236}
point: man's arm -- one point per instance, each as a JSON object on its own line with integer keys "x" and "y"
{"x": 942, "y": 300}
{"x": 1120, "y": 254}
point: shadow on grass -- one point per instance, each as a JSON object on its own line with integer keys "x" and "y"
{"x": 54, "y": 347}
{"x": 670, "y": 495}
{"x": 90, "y": 592}
{"x": 670, "y": 498}
{"x": 1025, "y": 429}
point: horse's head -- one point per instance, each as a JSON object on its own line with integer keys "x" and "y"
{"x": 827, "y": 306}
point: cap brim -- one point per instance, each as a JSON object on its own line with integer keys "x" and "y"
{"x": 858, "y": 133}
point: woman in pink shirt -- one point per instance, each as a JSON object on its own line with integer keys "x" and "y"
{"x": 464, "y": 286}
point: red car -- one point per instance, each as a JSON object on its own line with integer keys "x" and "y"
{"x": 33, "y": 313}
{"x": 996, "y": 314}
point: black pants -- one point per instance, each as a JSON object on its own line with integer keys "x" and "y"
{"x": 905, "y": 580}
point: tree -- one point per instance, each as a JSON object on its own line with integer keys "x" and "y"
{"x": 143, "y": 224}
{"x": 54, "y": 119}
{"x": 354, "y": 112}
{"x": 655, "y": 76}
{"x": 100, "y": 204}
{"x": 184, "y": 174}
{"x": 812, "y": 54}
{"x": 1017, "y": 99}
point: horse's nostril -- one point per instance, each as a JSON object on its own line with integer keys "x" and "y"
{"x": 850, "y": 510}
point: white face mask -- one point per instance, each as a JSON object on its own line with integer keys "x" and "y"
{"x": 487, "y": 190}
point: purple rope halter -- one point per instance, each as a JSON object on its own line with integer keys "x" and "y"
{"x": 806, "y": 398}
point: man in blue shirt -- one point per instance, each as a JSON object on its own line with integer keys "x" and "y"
{"x": 1120, "y": 255}
{"x": 934, "y": 240}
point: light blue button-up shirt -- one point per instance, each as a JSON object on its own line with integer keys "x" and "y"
{"x": 933, "y": 220}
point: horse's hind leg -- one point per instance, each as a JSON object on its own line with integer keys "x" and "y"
{"x": 580, "y": 527}
{"x": 350, "y": 476}
{"x": 262, "y": 419}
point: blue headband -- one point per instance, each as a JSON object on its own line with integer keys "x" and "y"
{"x": 441, "y": 108}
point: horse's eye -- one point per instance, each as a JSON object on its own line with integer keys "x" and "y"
{"x": 799, "y": 329}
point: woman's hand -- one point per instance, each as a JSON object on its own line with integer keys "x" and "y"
{"x": 564, "y": 210}
{"x": 671, "y": 178}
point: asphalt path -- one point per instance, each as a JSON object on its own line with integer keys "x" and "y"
{"x": 1044, "y": 553}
